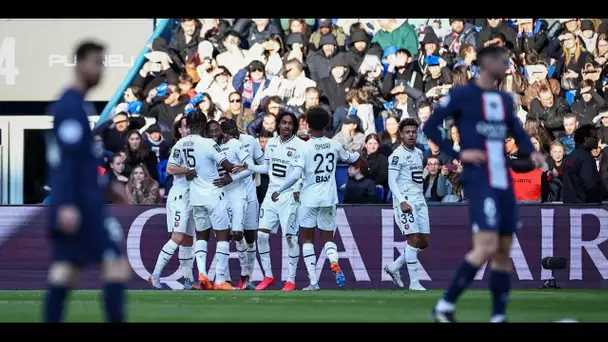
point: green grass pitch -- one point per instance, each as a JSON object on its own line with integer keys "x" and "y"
{"x": 322, "y": 306}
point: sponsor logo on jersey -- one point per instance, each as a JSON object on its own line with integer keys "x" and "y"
{"x": 492, "y": 130}
{"x": 395, "y": 161}
{"x": 217, "y": 148}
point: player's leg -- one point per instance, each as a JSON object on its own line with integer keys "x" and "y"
{"x": 63, "y": 276}
{"x": 251, "y": 226}
{"x": 220, "y": 222}
{"x": 307, "y": 219}
{"x": 401, "y": 219}
{"x": 485, "y": 243}
{"x": 269, "y": 221}
{"x": 186, "y": 257}
{"x": 202, "y": 226}
{"x": 115, "y": 269}
{"x": 289, "y": 224}
{"x": 326, "y": 222}
{"x": 417, "y": 240}
{"x": 177, "y": 221}
{"x": 239, "y": 206}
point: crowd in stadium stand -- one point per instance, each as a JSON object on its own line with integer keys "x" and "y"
{"x": 370, "y": 74}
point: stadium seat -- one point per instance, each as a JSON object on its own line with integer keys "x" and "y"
{"x": 162, "y": 172}
{"x": 341, "y": 179}
{"x": 380, "y": 194}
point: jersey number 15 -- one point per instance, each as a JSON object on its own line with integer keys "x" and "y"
{"x": 189, "y": 155}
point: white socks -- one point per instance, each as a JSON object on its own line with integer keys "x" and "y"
{"x": 411, "y": 258}
{"x": 310, "y": 260}
{"x": 331, "y": 251}
{"x": 164, "y": 256}
{"x": 241, "y": 249}
{"x": 200, "y": 252}
{"x": 251, "y": 251}
{"x": 186, "y": 259}
{"x": 222, "y": 253}
{"x": 293, "y": 254}
{"x": 264, "y": 248}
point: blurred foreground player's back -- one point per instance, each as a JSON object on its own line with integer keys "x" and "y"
{"x": 80, "y": 231}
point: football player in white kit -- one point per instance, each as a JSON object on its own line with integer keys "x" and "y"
{"x": 317, "y": 162}
{"x": 280, "y": 153}
{"x": 208, "y": 201}
{"x": 179, "y": 216}
{"x": 405, "y": 179}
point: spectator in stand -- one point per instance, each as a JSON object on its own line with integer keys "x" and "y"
{"x": 403, "y": 105}
{"x": 454, "y": 136}
{"x": 462, "y": 33}
{"x": 113, "y": 132}
{"x": 378, "y": 162}
{"x": 401, "y": 70}
{"x": 588, "y": 35}
{"x": 243, "y": 116}
{"x": 116, "y": 169}
{"x": 156, "y": 143}
{"x": 319, "y": 61}
{"x": 184, "y": 42}
{"x": 424, "y": 113}
{"x": 436, "y": 184}
{"x": 269, "y": 123}
{"x": 358, "y": 46}
{"x": 272, "y": 105}
{"x": 390, "y": 139}
{"x": 157, "y": 69}
{"x": 461, "y": 74}
{"x": 513, "y": 82}
{"x": 538, "y": 147}
{"x": 587, "y": 104}
{"x": 302, "y": 26}
{"x": 535, "y": 128}
{"x": 435, "y": 150}
{"x": 438, "y": 80}
{"x": 570, "y": 125}
{"x": 234, "y": 58}
{"x": 204, "y": 102}
{"x": 488, "y": 36}
{"x": 134, "y": 98}
{"x": 303, "y": 131}
{"x": 272, "y": 53}
{"x": 327, "y": 27}
{"x": 220, "y": 88}
{"x": 186, "y": 86}
{"x": 601, "y": 122}
{"x": 537, "y": 72}
{"x": 296, "y": 48}
{"x": 334, "y": 87}
{"x": 555, "y": 165}
{"x": 392, "y": 34}
{"x": 530, "y": 36}
{"x": 601, "y": 160}
{"x": 290, "y": 88}
{"x": 550, "y": 110}
{"x": 571, "y": 62}
{"x": 206, "y": 69}
{"x": 358, "y": 100}
{"x": 369, "y": 79}
{"x": 138, "y": 153}
{"x": 251, "y": 82}
{"x": 580, "y": 176}
{"x": 600, "y": 53}
{"x": 257, "y": 30}
{"x": 166, "y": 103}
{"x": 351, "y": 135}
{"x": 213, "y": 31}
{"x": 141, "y": 188}
{"x": 359, "y": 189}
{"x": 431, "y": 46}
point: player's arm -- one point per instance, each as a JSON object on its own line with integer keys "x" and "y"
{"x": 345, "y": 155}
{"x": 393, "y": 172}
{"x": 175, "y": 162}
{"x": 297, "y": 171}
{"x": 258, "y": 153}
{"x": 220, "y": 159}
{"x": 448, "y": 108}
{"x": 244, "y": 158}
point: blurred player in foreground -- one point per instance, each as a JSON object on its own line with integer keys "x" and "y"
{"x": 81, "y": 231}
{"x": 484, "y": 116}
{"x": 316, "y": 162}
{"x": 411, "y": 211}
{"x": 280, "y": 153}
{"x": 179, "y": 216}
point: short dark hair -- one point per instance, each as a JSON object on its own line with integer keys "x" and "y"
{"x": 317, "y": 118}
{"x": 570, "y": 116}
{"x": 425, "y": 104}
{"x": 490, "y": 52}
{"x": 405, "y": 51}
{"x": 408, "y": 122}
{"x": 362, "y": 165}
{"x": 296, "y": 123}
{"x": 196, "y": 118}
{"x": 85, "y": 48}
{"x": 266, "y": 134}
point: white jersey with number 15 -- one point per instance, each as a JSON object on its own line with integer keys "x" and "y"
{"x": 318, "y": 160}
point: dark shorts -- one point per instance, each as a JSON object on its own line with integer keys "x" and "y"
{"x": 91, "y": 245}
{"x": 492, "y": 210}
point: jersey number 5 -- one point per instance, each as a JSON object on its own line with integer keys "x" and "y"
{"x": 279, "y": 170}
{"x": 417, "y": 177}
{"x": 189, "y": 154}
{"x": 329, "y": 166}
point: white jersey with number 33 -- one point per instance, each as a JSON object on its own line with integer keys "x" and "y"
{"x": 409, "y": 166}
{"x": 318, "y": 160}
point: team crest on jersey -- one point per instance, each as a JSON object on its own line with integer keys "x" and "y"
{"x": 289, "y": 153}
{"x": 176, "y": 225}
{"x": 217, "y": 148}
{"x": 176, "y": 154}
{"x": 395, "y": 161}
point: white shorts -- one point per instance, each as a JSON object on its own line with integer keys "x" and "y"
{"x": 179, "y": 217}
{"x": 415, "y": 222}
{"x": 323, "y": 218}
{"x": 283, "y": 212}
{"x": 214, "y": 215}
{"x": 250, "y": 221}
{"x": 236, "y": 208}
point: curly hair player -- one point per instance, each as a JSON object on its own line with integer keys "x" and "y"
{"x": 484, "y": 116}
{"x": 316, "y": 163}
{"x": 411, "y": 211}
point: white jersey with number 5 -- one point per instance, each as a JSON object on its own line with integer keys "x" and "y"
{"x": 318, "y": 160}
{"x": 279, "y": 156}
{"x": 409, "y": 166}
{"x": 203, "y": 155}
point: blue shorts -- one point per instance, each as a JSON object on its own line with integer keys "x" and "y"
{"x": 493, "y": 210}
{"x": 91, "y": 246}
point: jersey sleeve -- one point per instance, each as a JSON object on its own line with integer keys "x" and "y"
{"x": 345, "y": 155}
{"x": 258, "y": 154}
{"x": 299, "y": 160}
{"x": 175, "y": 158}
{"x": 394, "y": 167}
{"x": 213, "y": 152}
{"x": 241, "y": 153}
{"x": 450, "y": 107}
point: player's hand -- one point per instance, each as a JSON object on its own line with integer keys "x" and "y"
{"x": 222, "y": 182}
{"x": 68, "y": 219}
{"x": 191, "y": 174}
{"x": 238, "y": 168}
{"x": 405, "y": 207}
{"x": 473, "y": 156}
{"x": 275, "y": 196}
{"x": 296, "y": 196}
{"x": 538, "y": 159}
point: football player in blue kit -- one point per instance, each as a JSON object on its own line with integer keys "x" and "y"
{"x": 484, "y": 116}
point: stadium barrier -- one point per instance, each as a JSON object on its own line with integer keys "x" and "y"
{"x": 367, "y": 239}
